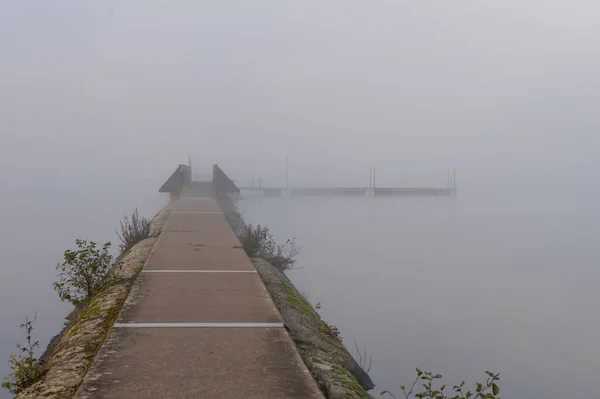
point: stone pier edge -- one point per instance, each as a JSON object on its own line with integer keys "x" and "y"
{"x": 73, "y": 351}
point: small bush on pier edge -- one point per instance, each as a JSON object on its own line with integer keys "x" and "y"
{"x": 83, "y": 272}
{"x": 254, "y": 239}
{"x": 26, "y": 367}
{"x": 258, "y": 241}
{"x": 134, "y": 228}
{"x": 489, "y": 390}
{"x": 283, "y": 258}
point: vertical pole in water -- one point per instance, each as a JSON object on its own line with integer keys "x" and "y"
{"x": 374, "y": 182}
{"x": 448, "y": 178}
{"x": 370, "y": 181}
{"x": 454, "y": 180}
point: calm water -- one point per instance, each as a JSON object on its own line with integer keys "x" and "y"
{"x": 37, "y": 226}
{"x": 451, "y": 285}
{"x": 455, "y": 286}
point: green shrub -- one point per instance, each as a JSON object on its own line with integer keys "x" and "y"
{"x": 83, "y": 272}
{"x": 26, "y": 367}
{"x": 489, "y": 390}
{"x": 258, "y": 241}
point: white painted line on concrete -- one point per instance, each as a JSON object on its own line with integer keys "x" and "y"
{"x": 198, "y": 271}
{"x": 207, "y": 213}
{"x": 200, "y": 325}
{"x": 196, "y": 198}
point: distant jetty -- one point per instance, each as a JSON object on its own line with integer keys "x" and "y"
{"x": 371, "y": 190}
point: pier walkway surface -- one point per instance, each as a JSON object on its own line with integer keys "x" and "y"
{"x": 198, "y": 322}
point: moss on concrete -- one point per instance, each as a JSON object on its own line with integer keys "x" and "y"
{"x": 347, "y": 380}
{"x": 321, "y": 349}
{"x": 332, "y": 377}
{"x": 296, "y": 300}
{"x": 75, "y": 350}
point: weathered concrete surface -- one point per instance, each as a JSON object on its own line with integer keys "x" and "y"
{"x": 197, "y": 222}
{"x": 211, "y": 230}
{"x": 198, "y": 362}
{"x": 198, "y": 189}
{"x": 193, "y": 251}
{"x": 200, "y": 298}
{"x": 190, "y": 204}
{"x": 75, "y": 350}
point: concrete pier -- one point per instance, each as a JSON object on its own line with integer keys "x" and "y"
{"x": 199, "y": 322}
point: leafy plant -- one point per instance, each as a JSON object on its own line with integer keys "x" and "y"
{"x": 83, "y": 272}
{"x": 134, "y": 228}
{"x": 258, "y": 241}
{"x": 489, "y": 390}
{"x": 26, "y": 367}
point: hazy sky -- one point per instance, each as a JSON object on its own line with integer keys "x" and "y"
{"x": 493, "y": 88}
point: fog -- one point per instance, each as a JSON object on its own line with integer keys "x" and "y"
{"x": 99, "y": 101}
{"x": 498, "y": 90}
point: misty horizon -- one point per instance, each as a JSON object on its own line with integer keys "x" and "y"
{"x": 504, "y": 91}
